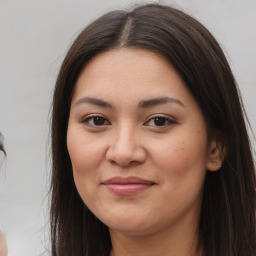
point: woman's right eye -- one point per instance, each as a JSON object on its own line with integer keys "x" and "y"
{"x": 96, "y": 121}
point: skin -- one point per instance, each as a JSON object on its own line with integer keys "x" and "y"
{"x": 173, "y": 152}
{"x": 3, "y": 245}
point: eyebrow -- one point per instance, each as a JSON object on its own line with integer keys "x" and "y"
{"x": 157, "y": 101}
{"x": 94, "y": 101}
{"x": 142, "y": 104}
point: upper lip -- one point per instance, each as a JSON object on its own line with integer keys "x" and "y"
{"x": 127, "y": 180}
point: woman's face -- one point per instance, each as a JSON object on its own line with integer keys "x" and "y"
{"x": 138, "y": 143}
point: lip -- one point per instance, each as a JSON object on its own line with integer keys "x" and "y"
{"x": 127, "y": 186}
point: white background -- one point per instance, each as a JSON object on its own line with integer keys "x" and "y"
{"x": 34, "y": 37}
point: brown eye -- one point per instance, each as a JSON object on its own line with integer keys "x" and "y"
{"x": 96, "y": 121}
{"x": 160, "y": 121}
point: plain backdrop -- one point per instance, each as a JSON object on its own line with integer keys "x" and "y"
{"x": 34, "y": 37}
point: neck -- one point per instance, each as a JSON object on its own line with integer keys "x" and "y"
{"x": 180, "y": 242}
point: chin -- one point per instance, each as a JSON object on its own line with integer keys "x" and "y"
{"x": 129, "y": 225}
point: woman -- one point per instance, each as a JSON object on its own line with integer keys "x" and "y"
{"x": 150, "y": 150}
{"x": 3, "y": 245}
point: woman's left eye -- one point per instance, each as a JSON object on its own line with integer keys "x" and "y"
{"x": 160, "y": 121}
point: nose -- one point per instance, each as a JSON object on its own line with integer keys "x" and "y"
{"x": 125, "y": 149}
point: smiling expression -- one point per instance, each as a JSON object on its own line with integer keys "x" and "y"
{"x": 138, "y": 143}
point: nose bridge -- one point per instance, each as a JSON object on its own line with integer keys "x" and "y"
{"x": 125, "y": 139}
{"x": 125, "y": 147}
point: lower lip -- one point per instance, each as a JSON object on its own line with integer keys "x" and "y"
{"x": 129, "y": 189}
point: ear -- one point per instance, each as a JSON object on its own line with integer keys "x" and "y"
{"x": 217, "y": 152}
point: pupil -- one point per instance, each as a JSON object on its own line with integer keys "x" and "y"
{"x": 99, "y": 120}
{"x": 159, "y": 121}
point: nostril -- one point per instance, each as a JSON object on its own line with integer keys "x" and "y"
{"x": 128, "y": 164}
{"x": 125, "y": 149}
{"x": 125, "y": 157}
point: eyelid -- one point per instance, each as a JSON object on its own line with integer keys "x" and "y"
{"x": 89, "y": 117}
{"x": 169, "y": 119}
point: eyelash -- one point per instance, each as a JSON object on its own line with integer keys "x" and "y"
{"x": 167, "y": 121}
{"x": 164, "y": 121}
{"x": 93, "y": 118}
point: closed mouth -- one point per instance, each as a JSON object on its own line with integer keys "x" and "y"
{"x": 127, "y": 186}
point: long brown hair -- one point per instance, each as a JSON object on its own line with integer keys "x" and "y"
{"x": 227, "y": 223}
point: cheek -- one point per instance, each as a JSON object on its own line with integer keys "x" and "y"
{"x": 86, "y": 157}
{"x": 85, "y": 154}
{"x": 179, "y": 157}
{"x": 182, "y": 169}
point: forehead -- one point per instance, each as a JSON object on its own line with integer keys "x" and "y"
{"x": 125, "y": 64}
{"x": 130, "y": 75}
